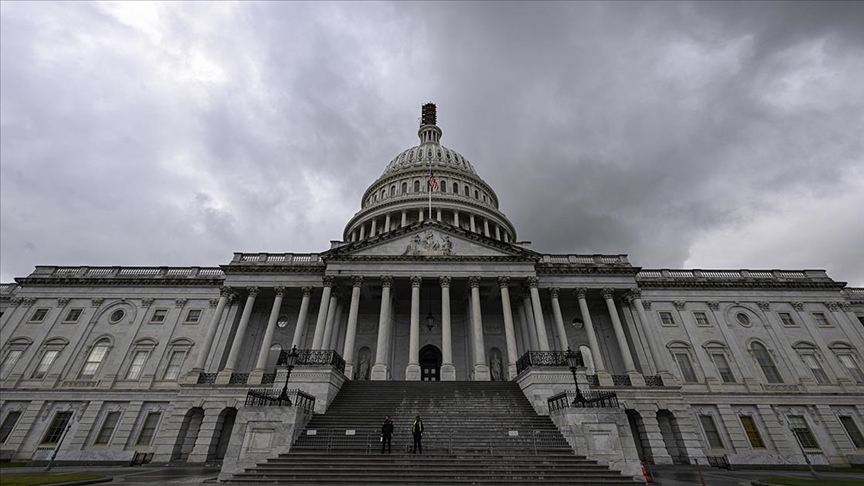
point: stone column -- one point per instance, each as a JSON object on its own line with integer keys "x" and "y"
{"x": 212, "y": 327}
{"x": 539, "y": 322}
{"x": 337, "y": 325}
{"x": 379, "y": 370}
{"x": 528, "y": 319}
{"x": 486, "y": 227}
{"x": 497, "y": 232}
{"x": 524, "y": 341}
{"x": 438, "y": 214}
{"x": 404, "y": 218}
{"x": 268, "y": 337}
{"x": 300, "y": 328}
{"x": 455, "y": 218}
{"x": 321, "y": 322}
{"x": 421, "y": 218}
{"x": 330, "y": 322}
{"x": 387, "y": 223}
{"x": 351, "y": 332}
{"x": 448, "y": 371}
{"x": 481, "y": 369}
{"x": 362, "y": 231}
{"x": 374, "y": 227}
{"x": 650, "y": 332}
{"x": 608, "y": 294}
{"x": 412, "y": 371}
{"x": 509, "y": 331}
{"x": 563, "y": 344}
{"x": 224, "y": 376}
{"x": 471, "y": 219}
{"x": 599, "y": 366}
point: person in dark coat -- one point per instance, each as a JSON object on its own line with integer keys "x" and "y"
{"x": 386, "y": 434}
{"x": 417, "y": 432}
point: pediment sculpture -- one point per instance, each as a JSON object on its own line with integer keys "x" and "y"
{"x": 430, "y": 245}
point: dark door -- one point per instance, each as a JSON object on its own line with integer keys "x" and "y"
{"x": 430, "y": 363}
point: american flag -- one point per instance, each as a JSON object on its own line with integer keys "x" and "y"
{"x": 433, "y": 182}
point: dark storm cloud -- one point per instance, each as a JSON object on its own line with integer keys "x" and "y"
{"x": 684, "y": 134}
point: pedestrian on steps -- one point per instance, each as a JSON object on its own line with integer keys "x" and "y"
{"x": 417, "y": 432}
{"x": 386, "y": 434}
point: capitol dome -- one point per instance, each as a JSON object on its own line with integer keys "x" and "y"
{"x": 401, "y": 195}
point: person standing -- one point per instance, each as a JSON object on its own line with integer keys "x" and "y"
{"x": 386, "y": 434}
{"x": 417, "y": 432}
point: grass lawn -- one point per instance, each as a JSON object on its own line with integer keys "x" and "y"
{"x": 810, "y": 482}
{"x": 34, "y": 479}
{"x": 12, "y": 464}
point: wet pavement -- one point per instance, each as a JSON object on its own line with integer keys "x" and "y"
{"x": 665, "y": 475}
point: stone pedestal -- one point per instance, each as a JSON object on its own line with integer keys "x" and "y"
{"x": 604, "y": 378}
{"x": 224, "y": 377}
{"x": 322, "y": 382}
{"x": 636, "y": 379}
{"x": 448, "y": 372}
{"x": 261, "y": 433}
{"x": 379, "y": 373}
{"x": 412, "y": 372}
{"x": 255, "y": 377}
{"x": 481, "y": 372}
{"x": 601, "y": 434}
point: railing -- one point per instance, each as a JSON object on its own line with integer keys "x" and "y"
{"x": 207, "y": 378}
{"x": 315, "y": 357}
{"x": 278, "y": 258}
{"x": 7, "y": 288}
{"x": 268, "y": 378}
{"x": 727, "y": 275}
{"x": 621, "y": 380}
{"x": 238, "y": 378}
{"x": 268, "y": 397}
{"x": 586, "y": 259}
{"x": 127, "y": 272}
{"x": 654, "y": 381}
{"x": 593, "y": 380}
{"x": 588, "y": 399}
{"x": 545, "y": 358}
{"x": 718, "y": 461}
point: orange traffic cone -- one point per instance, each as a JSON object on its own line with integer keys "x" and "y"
{"x": 648, "y": 478}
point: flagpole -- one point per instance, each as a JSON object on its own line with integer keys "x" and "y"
{"x": 429, "y": 186}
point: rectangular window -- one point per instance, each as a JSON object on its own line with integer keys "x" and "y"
{"x": 850, "y": 364}
{"x": 73, "y": 315}
{"x": 816, "y": 368}
{"x": 148, "y": 430}
{"x": 711, "y": 433}
{"x": 786, "y": 319}
{"x": 57, "y": 427}
{"x": 821, "y": 320}
{"x": 172, "y": 371}
{"x": 107, "y": 429}
{"x": 802, "y": 432}
{"x": 137, "y": 365}
{"x": 853, "y": 431}
{"x": 39, "y": 315}
{"x": 752, "y": 432}
{"x": 686, "y": 366}
{"x": 193, "y": 316}
{"x": 45, "y": 364}
{"x": 10, "y": 361}
{"x": 666, "y": 319}
{"x": 159, "y": 316}
{"x": 701, "y": 319}
{"x": 8, "y": 424}
{"x": 723, "y": 367}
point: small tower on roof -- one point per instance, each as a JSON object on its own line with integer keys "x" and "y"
{"x": 429, "y": 131}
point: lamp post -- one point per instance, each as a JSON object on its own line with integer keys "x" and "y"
{"x": 575, "y": 362}
{"x": 290, "y": 361}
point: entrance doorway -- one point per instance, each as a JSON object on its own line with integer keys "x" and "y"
{"x": 430, "y": 363}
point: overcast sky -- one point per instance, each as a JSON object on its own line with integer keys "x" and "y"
{"x": 687, "y": 135}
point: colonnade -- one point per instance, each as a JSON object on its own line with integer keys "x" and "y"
{"x": 531, "y": 335}
{"x": 392, "y": 220}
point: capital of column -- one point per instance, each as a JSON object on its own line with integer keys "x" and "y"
{"x": 554, "y": 292}
{"x": 581, "y": 292}
{"x": 62, "y": 302}
{"x": 532, "y": 282}
{"x": 307, "y": 291}
{"x": 386, "y": 281}
{"x": 213, "y": 303}
{"x": 226, "y": 291}
{"x": 831, "y": 305}
{"x": 713, "y": 305}
{"x": 281, "y": 291}
{"x": 329, "y": 280}
{"x": 764, "y": 305}
{"x": 416, "y": 281}
{"x": 148, "y": 302}
{"x": 636, "y": 293}
{"x": 799, "y": 306}
{"x": 253, "y": 291}
{"x": 356, "y": 280}
{"x": 445, "y": 281}
{"x": 680, "y": 304}
{"x": 474, "y": 282}
{"x": 504, "y": 281}
{"x": 646, "y": 304}
{"x": 608, "y": 293}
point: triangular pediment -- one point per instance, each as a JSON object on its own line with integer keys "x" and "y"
{"x": 430, "y": 239}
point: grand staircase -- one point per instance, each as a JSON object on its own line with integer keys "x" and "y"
{"x": 475, "y": 433}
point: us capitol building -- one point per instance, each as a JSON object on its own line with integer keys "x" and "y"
{"x": 430, "y": 281}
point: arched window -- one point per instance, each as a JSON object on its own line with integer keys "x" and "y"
{"x": 416, "y": 186}
{"x": 719, "y": 355}
{"x": 682, "y": 353}
{"x": 476, "y": 194}
{"x": 443, "y": 186}
{"x": 467, "y": 191}
{"x": 849, "y": 359}
{"x": 455, "y": 188}
{"x": 383, "y": 193}
{"x": 763, "y": 357}
{"x": 392, "y": 190}
{"x": 810, "y": 356}
{"x": 404, "y": 188}
{"x": 95, "y": 358}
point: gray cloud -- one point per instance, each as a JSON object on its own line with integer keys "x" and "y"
{"x": 684, "y": 134}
